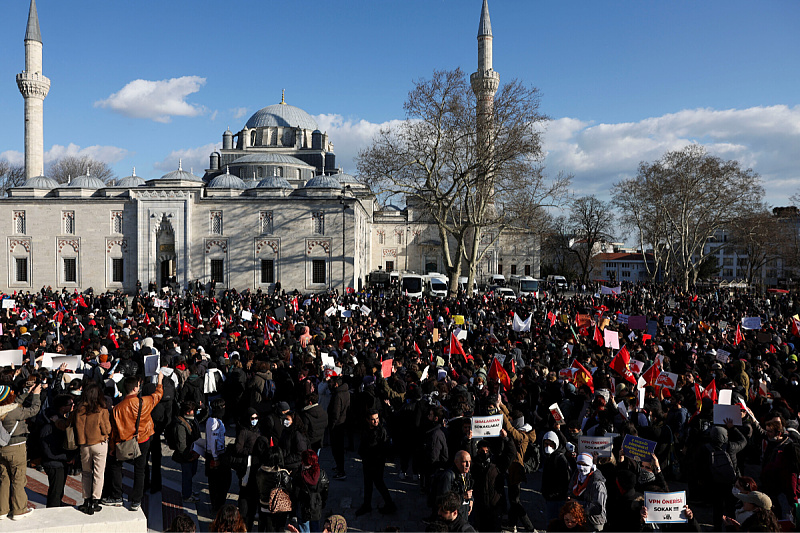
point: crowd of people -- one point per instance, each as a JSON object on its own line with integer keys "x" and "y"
{"x": 400, "y": 381}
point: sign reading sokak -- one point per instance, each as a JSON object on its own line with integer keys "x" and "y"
{"x": 665, "y": 507}
{"x": 600, "y": 445}
{"x": 486, "y": 426}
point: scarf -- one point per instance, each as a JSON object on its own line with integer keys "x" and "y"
{"x": 580, "y": 486}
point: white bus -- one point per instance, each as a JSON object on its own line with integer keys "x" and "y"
{"x": 412, "y": 285}
{"x": 524, "y": 285}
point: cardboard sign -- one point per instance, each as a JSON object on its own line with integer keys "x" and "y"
{"x": 458, "y": 319}
{"x": 10, "y": 357}
{"x": 555, "y": 410}
{"x": 584, "y": 321}
{"x": 637, "y": 322}
{"x": 247, "y": 315}
{"x": 365, "y": 310}
{"x": 751, "y": 322}
{"x": 622, "y": 319}
{"x": 73, "y": 362}
{"x": 386, "y": 368}
{"x": 611, "y": 339}
{"x": 722, "y": 412}
{"x": 435, "y": 334}
{"x": 638, "y": 448}
{"x": 725, "y": 397}
{"x": 330, "y": 311}
{"x": 668, "y": 380}
{"x": 9, "y": 303}
{"x": 150, "y": 365}
{"x": 652, "y": 328}
{"x": 600, "y": 445}
{"x": 665, "y": 507}
{"x": 723, "y": 356}
{"x": 486, "y": 426}
{"x": 667, "y": 320}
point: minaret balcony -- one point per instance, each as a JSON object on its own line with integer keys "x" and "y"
{"x": 33, "y": 84}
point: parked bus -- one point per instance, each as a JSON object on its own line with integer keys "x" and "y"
{"x": 524, "y": 285}
{"x": 412, "y": 285}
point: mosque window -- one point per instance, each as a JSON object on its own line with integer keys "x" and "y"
{"x": 253, "y": 138}
{"x": 318, "y": 271}
{"x": 19, "y": 222}
{"x": 266, "y": 222}
{"x": 116, "y": 270}
{"x": 70, "y": 269}
{"x": 21, "y": 269}
{"x": 267, "y": 271}
{"x": 381, "y": 237}
{"x": 218, "y": 270}
{"x": 318, "y": 223}
{"x": 279, "y": 172}
{"x": 398, "y": 237}
{"x": 69, "y": 222}
{"x": 116, "y": 222}
{"x": 216, "y": 222}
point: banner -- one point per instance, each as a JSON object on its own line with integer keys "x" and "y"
{"x": 665, "y": 507}
{"x": 751, "y": 322}
{"x": 668, "y": 380}
{"x": 611, "y": 339}
{"x": 150, "y": 365}
{"x": 522, "y": 325}
{"x": 638, "y": 448}
{"x": 610, "y": 290}
{"x": 486, "y": 426}
{"x": 600, "y": 445}
{"x": 725, "y": 397}
{"x": 637, "y": 322}
{"x": 247, "y": 315}
{"x": 723, "y": 412}
{"x": 10, "y": 357}
{"x": 584, "y": 321}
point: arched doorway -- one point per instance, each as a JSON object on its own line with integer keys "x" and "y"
{"x": 167, "y": 260}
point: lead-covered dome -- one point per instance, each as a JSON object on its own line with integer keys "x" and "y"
{"x": 323, "y": 182}
{"x": 87, "y": 182}
{"x": 41, "y": 182}
{"x": 131, "y": 181}
{"x": 284, "y": 115}
{"x": 273, "y": 182}
{"x": 180, "y": 174}
{"x": 227, "y": 181}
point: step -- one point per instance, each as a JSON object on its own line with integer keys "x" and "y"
{"x": 70, "y": 520}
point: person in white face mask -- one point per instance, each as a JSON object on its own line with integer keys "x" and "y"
{"x": 588, "y": 486}
{"x": 556, "y": 473}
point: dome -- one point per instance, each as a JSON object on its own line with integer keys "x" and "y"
{"x": 131, "y": 181}
{"x": 284, "y": 115}
{"x": 227, "y": 181}
{"x": 87, "y": 182}
{"x": 323, "y": 182}
{"x": 346, "y": 178}
{"x": 41, "y": 182}
{"x": 273, "y": 182}
{"x": 269, "y": 159}
{"x": 180, "y": 174}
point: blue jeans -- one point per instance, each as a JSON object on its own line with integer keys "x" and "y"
{"x": 312, "y": 526}
{"x": 188, "y": 470}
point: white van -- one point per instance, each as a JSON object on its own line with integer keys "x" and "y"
{"x": 560, "y": 281}
{"x": 436, "y": 285}
{"x": 497, "y": 279}
{"x": 524, "y": 285}
{"x": 412, "y": 285}
{"x": 462, "y": 284}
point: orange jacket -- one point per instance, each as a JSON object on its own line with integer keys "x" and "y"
{"x": 125, "y": 416}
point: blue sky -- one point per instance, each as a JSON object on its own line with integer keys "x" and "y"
{"x": 623, "y": 81}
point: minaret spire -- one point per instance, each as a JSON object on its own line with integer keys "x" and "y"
{"x": 34, "y": 88}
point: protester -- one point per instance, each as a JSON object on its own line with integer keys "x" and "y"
{"x": 184, "y": 432}
{"x": 92, "y": 432}
{"x": 228, "y": 520}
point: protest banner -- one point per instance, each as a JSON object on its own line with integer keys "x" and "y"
{"x": 555, "y": 410}
{"x": 668, "y": 380}
{"x": 667, "y": 320}
{"x": 723, "y": 412}
{"x": 73, "y": 361}
{"x": 652, "y": 328}
{"x": 386, "y": 368}
{"x": 10, "y": 357}
{"x": 610, "y": 290}
{"x": 638, "y": 448}
{"x": 458, "y": 319}
{"x": 600, "y": 445}
{"x": 365, "y": 310}
{"x": 9, "y": 303}
{"x": 637, "y": 322}
{"x": 622, "y": 319}
{"x": 665, "y": 507}
{"x": 723, "y": 356}
{"x": 725, "y": 397}
{"x": 751, "y": 322}
{"x": 330, "y": 311}
{"x": 247, "y": 315}
{"x": 150, "y": 365}
{"x": 611, "y": 339}
{"x": 486, "y": 426}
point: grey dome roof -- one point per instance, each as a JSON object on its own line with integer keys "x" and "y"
{"x": 87, "y": 182}
{"x": 273, "y": 182}
{"x": 270, "y": 159}
{"x": 180, "y": 174}
{"x": 345, "y": 178}
{"x": 41, "y": 182}
{"x": 323, "y": 182}
{"x": 131, "y": 181}
{"x": 227, "y": 181}
{"x": 281, "y": 115}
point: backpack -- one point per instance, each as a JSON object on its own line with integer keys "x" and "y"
{"x": 532, "y": 459}
{"x": 268, "y": 392}
{"x": 722, "y": 470}
{"x": 171, "y": 433}
{"x": 5, "y": 436}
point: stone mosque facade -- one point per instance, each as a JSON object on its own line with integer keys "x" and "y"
{"x": 272, "y": 206}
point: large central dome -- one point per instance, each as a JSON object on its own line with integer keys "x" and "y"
{"x": 284, "y": 115}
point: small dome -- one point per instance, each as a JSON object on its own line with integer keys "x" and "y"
{"x": 269, "y": 159}
{"x": 131, "y": 181}
{"x": 345, "y": 178}
{"x": 41, "y": 182}
{"x": 227, "y": 181}
{"x": 273, "y": 182}
{"x": 87, "y": 182}
{"x": 180, "y": 174}
{"x": 323, "y": 182}
{"x": 284, "y": 115}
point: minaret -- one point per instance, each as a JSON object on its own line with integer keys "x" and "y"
{"x": 484, "y": 84}
{"x": 34, "y": 88}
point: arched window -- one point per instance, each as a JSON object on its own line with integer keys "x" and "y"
{"x": 260, "y": 172}
{"x": 253, "y": 138}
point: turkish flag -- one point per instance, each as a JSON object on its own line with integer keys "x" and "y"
{"x": 112, "y": 337}
{"x": 345, "y": 338}
{"x": 739, "y": 337}
{"x": 551, "y": 316}
{"x": 60, "y": 317}
{"x": 80, "y": 301}
{"x": 651, "y": 374}
{"x": 146, "y": 319}
{"x": 620, "y": 364}
{"x": 711, "y": 391}
{"x": 455, "y": 346}
{"x": 416, "y": 348}
{"x": 187, "y": 329}
{"x": 196, "y": 312}
{"x": 598, "y": 337}
{"x": 581, "y": 375}
{"x": 496, "y": 371}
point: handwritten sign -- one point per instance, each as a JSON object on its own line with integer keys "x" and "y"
{"x": 638, "y": 448}
{"x": 486, "y": 426}
{"x": 751, "y": 322}
{"x": 600, "y": 445}
{"x": 9, "y": 303}
{"x": 365, "y": 310}
{"x": 723, "y": 356}
{"x": 665, "y": 507}
{"x": 330, "y": 311}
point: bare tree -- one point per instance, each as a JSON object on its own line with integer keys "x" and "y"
{"x": 10, "y": 176}
{"x": 68, "y": 167}
{"x": 757, "y": 238}
{"x": 434, "y": 159}
{"x": 590, "y": 222}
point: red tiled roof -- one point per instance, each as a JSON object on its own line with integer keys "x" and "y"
{"x": 623, "y": 256}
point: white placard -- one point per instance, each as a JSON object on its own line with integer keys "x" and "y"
{"x": 555, "y": 410}
{"x": 723, "y": 356}
{"x": 721, "y": 412}
{"x": 600, "y": 445}
{"x": 667, "y": 320}
{"x": 486, "y": 426}
{"x": 665, "y": 507}
{"x": 247, "y": 315}
{"x": 73, "y": 361}
{"x": 611, "y": 339}
{"x": 9, "y": 303}
{"x": 425, "y": 373}
{"x": 636, "y": 366}
{"x": 725, "y": 396}
{"x": 330, "y": 311}
{"x": 461, "y": 334}
{"x": 47, "y": 359}
{"x": 668, "y": 380}
{"x": 751, "y": 322}
{"x": 365, "y": 310}
{"x": 150, "y": 365}
{"x": 640, "y": 395}
{"x": 327, "y": 360}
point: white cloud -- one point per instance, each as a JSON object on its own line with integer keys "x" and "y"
{"x": 239, "y": 112}
{"x": 106, "y": 154}
{"x": 192, "y": 159}
{"x": 156, "y": 100}
{"x": 349, "y": 136}
{"x": 762, "y": 138}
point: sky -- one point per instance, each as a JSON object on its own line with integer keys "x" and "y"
{"x": 146, "y": 83}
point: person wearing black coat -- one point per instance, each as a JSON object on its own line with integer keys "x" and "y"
{"x": 556, "y": 473}
{"x": 187, "y": 431}
{"x": 337, "y": 418}
{"x": 244, "y": 460}
{"x": 315, "y": 420}
{"x": 373, "y": 449}
{"x": 436, "y": 451}
{"x": 55, "y": 459}
{"x": 624, "y": 503}
{"x": 292, "y": 442}
{"x": 310, "y": 490}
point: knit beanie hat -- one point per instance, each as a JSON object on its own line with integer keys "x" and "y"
{"x": 5, "y": 390}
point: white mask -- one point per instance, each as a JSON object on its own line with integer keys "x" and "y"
{"x": 549, "y": 449}
{"x": 287, "y": 423}
{"x": 584, "y": 469}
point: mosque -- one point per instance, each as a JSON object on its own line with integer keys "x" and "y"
{"x": 272, "y": 206}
